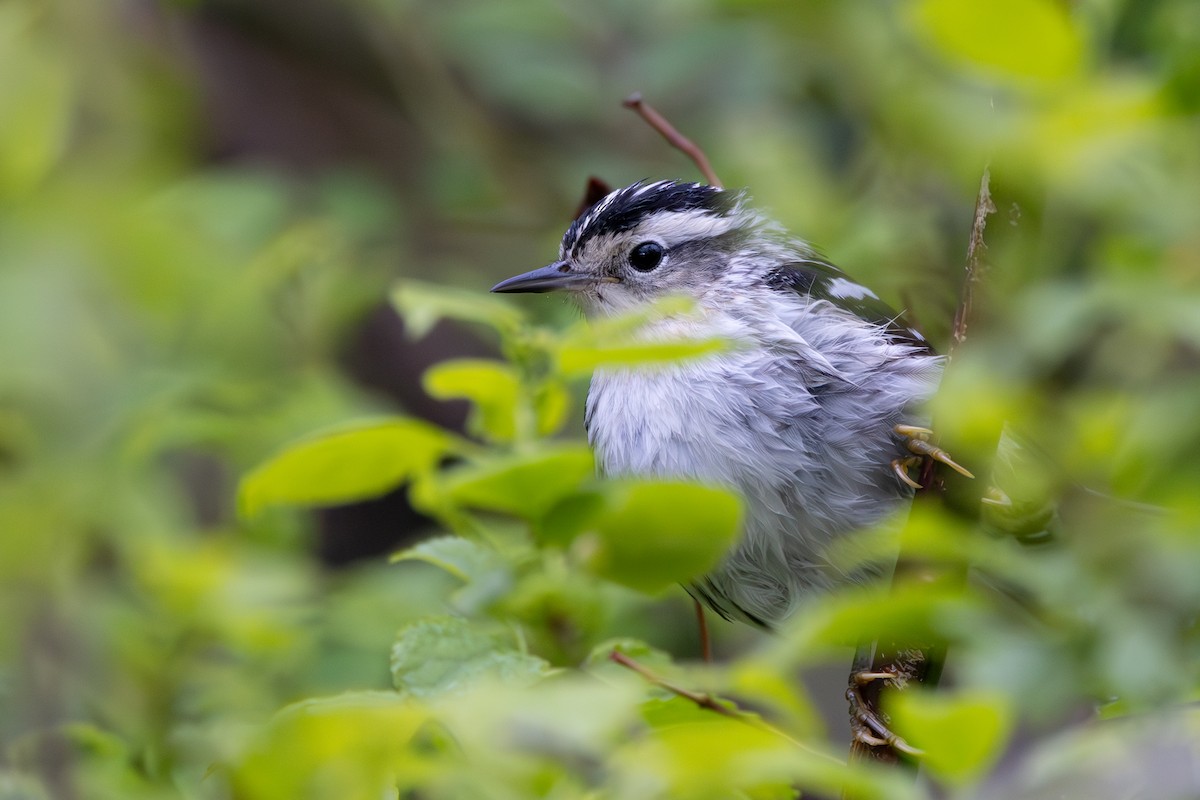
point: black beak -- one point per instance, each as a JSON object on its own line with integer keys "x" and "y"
{"x": 552, "y": 278}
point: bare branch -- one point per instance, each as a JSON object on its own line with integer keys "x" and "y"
{"x": 710, "y": 703}
{"x": 676, "y": 139}
{"x": 975, "y": 266}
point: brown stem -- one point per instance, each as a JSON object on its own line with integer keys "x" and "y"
{"x": 710, "y": 703}
{"x": 676, "y": 139}
{"x": 921, "y": 662}
{"x": 975, "y": 266}
{"x": 705, "y": 701}
{"x": 702, "y": 624}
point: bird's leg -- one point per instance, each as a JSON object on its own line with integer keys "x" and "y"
{"x": 916, "y": 439}
{"x": 865, "y": 724}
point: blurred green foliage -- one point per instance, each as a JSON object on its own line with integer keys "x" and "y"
{"x": 170, "y": 319}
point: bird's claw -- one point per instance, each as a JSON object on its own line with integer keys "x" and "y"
{"x": 900, "y": 467}
{"x": 916, "y": 439}
{"x": 866, "y": 725}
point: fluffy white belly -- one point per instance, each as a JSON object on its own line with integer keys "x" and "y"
{"x": 810, "y": 459}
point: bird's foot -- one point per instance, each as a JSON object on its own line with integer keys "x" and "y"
{"x": 916, "y": 439}
{"x": 866, "y": 725}
{"x": 900, "y": 466}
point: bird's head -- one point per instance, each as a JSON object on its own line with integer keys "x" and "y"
{"x": 643, "y": 242}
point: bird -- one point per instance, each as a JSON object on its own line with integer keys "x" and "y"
{"x": 812, "y": 414}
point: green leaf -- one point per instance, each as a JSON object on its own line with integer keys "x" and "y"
{"x": 462, "y": 558}
{"x": 345, "y": 464}
{"x": 551, "y": 402}
{"x": 447, "y": 654}
{"x": 703, "y": 755}
{"x": 663, "y": 332}
{"x": 357, "y": 742}
{"x": 599, "y": 660}
{"x": 422, "y": 305}
{"x": 649, "y": 535}
{"x": 1023, "y": 39}
{"x": 526, "y": 485}
{"x": 492, "y": 386}
{"x": 909, "y": 611}
{"x": 36, "y": 94}
{"x": 486, "y": 574}
{"x": 962, "y": 734}
{"x": 582, "y": 358}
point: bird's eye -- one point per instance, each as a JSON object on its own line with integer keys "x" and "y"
{"x": 646, "y": 256}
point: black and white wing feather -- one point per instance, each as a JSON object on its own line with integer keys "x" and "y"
{"x": 821, "y": 280}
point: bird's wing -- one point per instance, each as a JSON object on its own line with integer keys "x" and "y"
{"x": 821, "y": 280}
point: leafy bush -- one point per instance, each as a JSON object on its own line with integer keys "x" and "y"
{"x": 173, "y": 309}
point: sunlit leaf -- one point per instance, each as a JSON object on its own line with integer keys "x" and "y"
{"x": 523, "y": 485}
{"x": 708, "y": 756}
{"x": 351, "y": 745}
{"x": 423, "y": 304}
{"x": 961, "y": 734}
{"x": 1013, "y": 38}
{"x": 650, "y": 535}
{"x": 348, "y": 463}
{"x": 35, "y": 102}
{"x": 447, "y": 654}
{"x": 583, "y": 358}
{"x": 493, "y": 387}
{"x": 551, "y": 402}
{"x": 662, "y": 332}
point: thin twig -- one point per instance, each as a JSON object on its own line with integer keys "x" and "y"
{"x": 922, "y": 664}
{"x": 710, "y": 703}
{"x": 673, "y": 136}
{"x": 702, "y": 624}
{"x": 975, "y": 266}
{"x": 705, "y": 701}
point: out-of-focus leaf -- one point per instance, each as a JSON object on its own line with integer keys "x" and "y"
{"x": 1015, "y": 38}
{"x": 523, "y": 485}
{"x": 447, "y": 654}
{"x": 423, "y": 304}
{"x": 663, "y": 332}
{"x": 462, "y": 558}
{"x": 486, "y": 574}
{"x": 962, "y": 734}
{"x": 911, "y": 611}
{"x": 712, "y": 756}
{"x": 352, "y": 745}
{"x": 600, "y": 662}
{"x": 493, "y": 387}
{"x": 582, "y": 358}
{"x": 767, "y": 686}
{"x": 35, "y": 101}
{"x": 649, "y": 535}
{"x": 345, "y": 464}
{"x": 551, "y": 402}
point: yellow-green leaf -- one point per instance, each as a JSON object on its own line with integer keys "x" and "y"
{"x": 525, "y": 485}
{"x": 493, "y": 387}
{"x": 1021, "y": 39}
{"x": 422, "y": 305}
{"x": 961, "y": 734}
{"x": 345, "y": 464}
{"x": 581, "y": 358}
{"x": 649, "y": 535}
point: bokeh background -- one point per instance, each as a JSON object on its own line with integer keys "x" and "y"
{"x": 203, "y": 205}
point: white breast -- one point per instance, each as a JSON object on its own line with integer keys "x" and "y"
{"x": 801, "y": 429}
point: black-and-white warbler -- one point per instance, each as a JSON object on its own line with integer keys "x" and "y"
{"x": 807, "y": 416}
